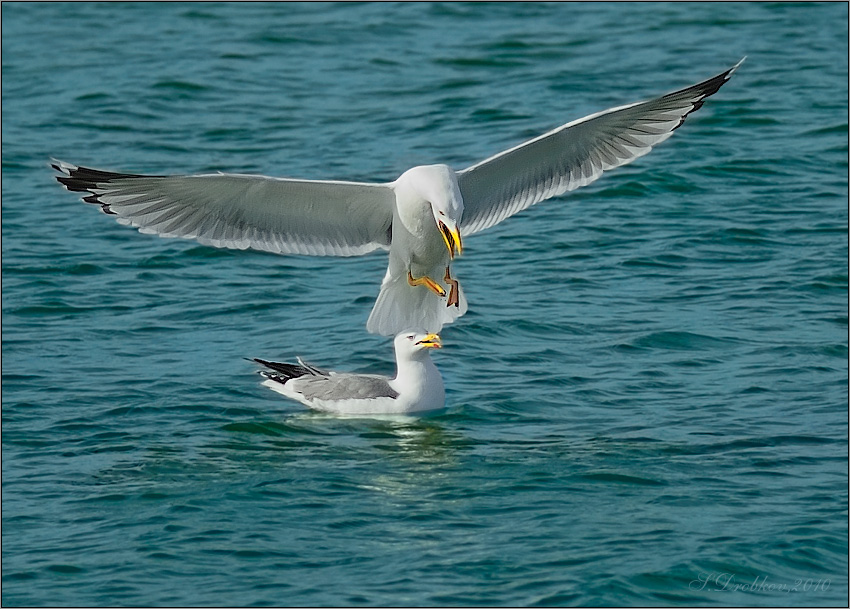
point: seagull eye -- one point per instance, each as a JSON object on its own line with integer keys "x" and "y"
{"x": 411, "y": 336}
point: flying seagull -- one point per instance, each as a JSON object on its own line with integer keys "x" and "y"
{"x": 419, "y": 217}
{"x": 416, "y": 387}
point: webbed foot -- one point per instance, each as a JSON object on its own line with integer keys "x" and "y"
{"x": 454, "y": 291}
{"x": 427, "y": 282}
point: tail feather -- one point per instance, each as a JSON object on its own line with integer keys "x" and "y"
{"x": 401, "y": 307}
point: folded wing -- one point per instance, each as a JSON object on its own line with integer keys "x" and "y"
{"x": 574, "y": 154}
{"x": 276, "y": 215}
{"x": 342, "y": 387}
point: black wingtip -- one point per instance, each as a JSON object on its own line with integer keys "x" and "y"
{"x": 85, "y": 179}
{"x": 704, "y": 90}
{"x": 273, "y": 376}
{"x": 709, "y": 87}
{"x": 80, "y": 179}
{"x": 285, "y": 371}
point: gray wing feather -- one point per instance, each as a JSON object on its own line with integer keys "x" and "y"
{"x": 276, "y": 215}
{"x": 574, "y": 154}
{"x": 343, "y": 387}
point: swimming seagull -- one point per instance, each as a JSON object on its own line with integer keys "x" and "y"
{"x": 416, "y": 387}
{"x": 419, "y": 217}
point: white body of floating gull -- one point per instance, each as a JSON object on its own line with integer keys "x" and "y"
{"x": 419, "y": 218}
{"x": 416, "y": 387}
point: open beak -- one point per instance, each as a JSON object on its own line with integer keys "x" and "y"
{"x": 452, "y": 239}
{"x": 432, "y": 341}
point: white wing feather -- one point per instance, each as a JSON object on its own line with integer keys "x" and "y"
{"x": 573, "y": 155}
{"x": 283, "y": 216}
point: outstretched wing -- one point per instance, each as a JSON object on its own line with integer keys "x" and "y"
{"x": 276, "y": 215}
{"x": 574, "y": 154}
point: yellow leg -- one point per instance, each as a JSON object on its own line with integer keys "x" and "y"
{"x": 427, "y": 282}
{"x": 454, "y": 291}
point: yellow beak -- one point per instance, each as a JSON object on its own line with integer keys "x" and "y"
{"x": 452, "y": 239}
{"x": 432, "y": 341}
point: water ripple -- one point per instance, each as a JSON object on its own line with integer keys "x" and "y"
{"x": 647, "y": 399}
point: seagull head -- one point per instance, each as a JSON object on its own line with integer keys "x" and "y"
{"x": 437, "y": 186}
{"x": 412, "y": 345}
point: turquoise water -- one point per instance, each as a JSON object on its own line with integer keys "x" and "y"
{"x": 647, "y": 399}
